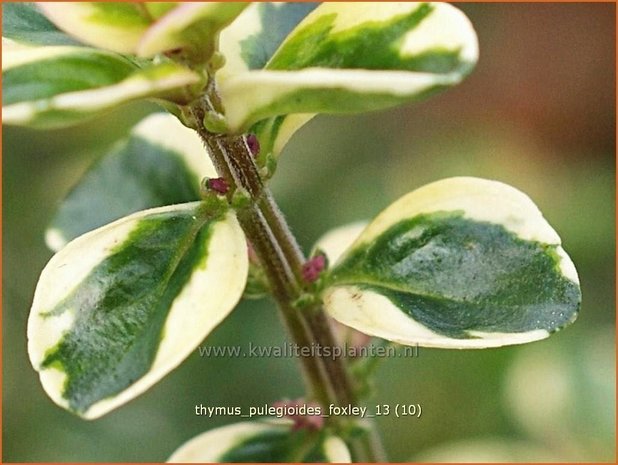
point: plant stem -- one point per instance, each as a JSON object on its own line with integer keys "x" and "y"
{"x": 327, "y": 378}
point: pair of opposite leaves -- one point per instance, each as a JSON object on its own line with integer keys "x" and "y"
{"x": 459, "y": 263}
{"x": 282, "y": 62}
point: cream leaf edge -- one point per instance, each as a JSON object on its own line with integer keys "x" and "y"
{"x": 225, "y": 272}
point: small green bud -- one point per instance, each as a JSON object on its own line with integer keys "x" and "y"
{"x": 215, "y": 122}
{"x": 304, "y": 300}
{"x": 217, "y": 61}
{"x": 268, "y": 165}
{"x": 240, "y": 199}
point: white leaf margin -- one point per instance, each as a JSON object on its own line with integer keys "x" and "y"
{"x": 164, "y": 34}
{"x": 75, "y": 18}
{"x": 141, "y": 84}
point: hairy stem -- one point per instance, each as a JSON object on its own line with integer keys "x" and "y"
{"x": 326, "y": 378}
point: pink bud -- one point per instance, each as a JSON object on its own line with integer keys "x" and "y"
{"x": 219, "y": 185}
{"x": 254, "y": 144}
{"x": 313, "y": 267}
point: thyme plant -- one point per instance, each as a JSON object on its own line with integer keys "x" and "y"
{"x": 157, "y": 243}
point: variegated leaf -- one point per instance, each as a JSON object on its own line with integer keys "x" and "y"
{"x": 121, "y": 306}
{"x": 193, "y": 27}
{"x": 116, "y": 26}
{"x": 24, "y": 23}
{"x": 146, "y": 29}
{"x": 252, "y": 39}
{"x": 261, "y": 442}
{"x": 58, "y": 86}
{"x": 459, "y": 263}
{"x": 248, "y": 44}
{"x": 344, "y": 58}
{"x": 160, "y": 163}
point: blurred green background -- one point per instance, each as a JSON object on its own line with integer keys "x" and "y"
{"x": 538, "y": 113}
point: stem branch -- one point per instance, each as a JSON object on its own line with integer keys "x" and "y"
{"x": 327, "y": 378}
